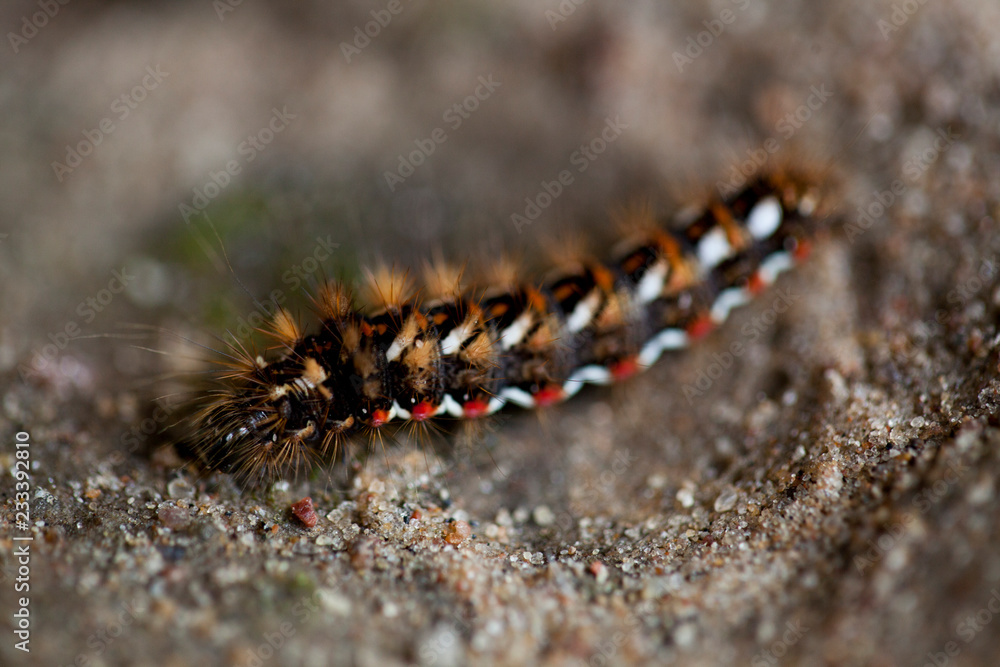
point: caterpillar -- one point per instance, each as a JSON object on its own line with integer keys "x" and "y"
{"x": 466, "y": 352}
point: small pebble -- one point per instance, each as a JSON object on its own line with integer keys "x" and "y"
{"x": 456, "y": 532}
{"x": 685, "y": 635}
{"x": 180, "y": 488}
{"x": 543, "y": 516}
{"x": 726, "y": 500}
{"x": 599, "y": 570}
{"x": 304, "y": 512}
{"x": 172, "y": 517}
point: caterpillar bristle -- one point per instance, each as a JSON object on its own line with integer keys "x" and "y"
{"x": 454, "y": 351}
{"x": 284, "y": 329}
{"x": 635, "y": 220}
{"x": 502, "y": 272}
{"x": 333, "y": 301}
{"x": 387, "y": 288}
{"x": 442, "y": 279}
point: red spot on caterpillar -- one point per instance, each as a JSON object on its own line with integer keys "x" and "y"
{"x": 475, "y": 409}
{"x": 379, "y": 417}
{"x": 700, "y": 327}
{"x": 548, "y": 395}
{"x": 625, "y": 368}
{"x": 756, "y": 284}
{"x": 304, "y": 512}
{"x": 802, "y": 250}
{"x": 422, "y": 410}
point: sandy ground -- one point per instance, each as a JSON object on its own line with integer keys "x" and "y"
{"x": 826, "y": 496}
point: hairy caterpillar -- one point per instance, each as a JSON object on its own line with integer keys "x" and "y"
{"x": 466, "y": 352}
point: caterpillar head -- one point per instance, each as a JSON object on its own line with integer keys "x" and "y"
{"x": 265, "y": 420}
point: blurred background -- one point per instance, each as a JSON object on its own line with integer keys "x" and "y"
{"x": 137, "y": 127}
{"x": 133, "y": 129}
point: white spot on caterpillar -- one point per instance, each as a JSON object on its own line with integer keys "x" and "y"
{"x": 668, "y": 339}
{"x": 650, "y": 353}
{"x": 395, "y": 349}
{"x": 516, "y": 332}
{"x": 774, "y": 265}
{"x": 517, "y": 396}
{"x": 583, "y": 314}
{"x": 726, "y": 301}
{"x": 453, "y": 341}
{"x": 673, "y": 339}
{"x": 713, "y": 248}
{"x": 651, "y": 285}
{"x": 590, "y": 374}
{"x": 451, "y": 406}
{"x": 765, "y": 218}
{"x": 398, "y": 411}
